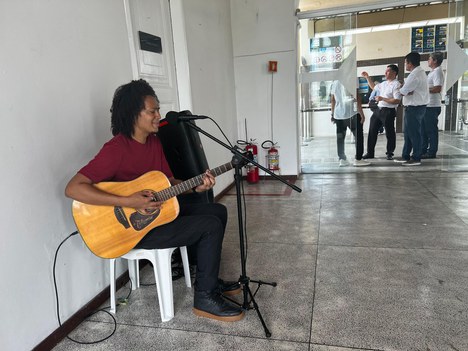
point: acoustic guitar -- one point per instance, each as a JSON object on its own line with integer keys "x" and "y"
{"x": 112, "y": 231}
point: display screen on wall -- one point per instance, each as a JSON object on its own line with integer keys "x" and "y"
{"x": 364, "y": 89}
{"x": 429, "y": 38}
{"x": 440, "y": 37}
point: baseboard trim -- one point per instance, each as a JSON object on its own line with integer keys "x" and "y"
{"x": 224, "y": 192}
{"x": 71, "y": 323}
{"x": 290, "y": 178}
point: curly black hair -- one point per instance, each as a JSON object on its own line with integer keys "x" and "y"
{"x": 128, "y": 102}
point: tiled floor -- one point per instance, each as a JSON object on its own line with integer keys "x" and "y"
{"x": 319, "y": 155}
{"x": 363, "y": 260}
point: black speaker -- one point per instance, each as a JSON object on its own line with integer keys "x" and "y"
{"x": 185, "y": 155}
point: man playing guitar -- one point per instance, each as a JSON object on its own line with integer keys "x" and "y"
{"x": 135, "y": 150}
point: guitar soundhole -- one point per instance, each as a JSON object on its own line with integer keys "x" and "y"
{"x": 140, "y": 221}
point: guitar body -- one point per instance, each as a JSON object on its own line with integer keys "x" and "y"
{"x": 111, "y": 231}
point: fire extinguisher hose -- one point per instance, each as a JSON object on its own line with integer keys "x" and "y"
{"x": 268, "y": 147}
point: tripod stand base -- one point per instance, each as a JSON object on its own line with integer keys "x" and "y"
{"x": 247, "y": 304}
{"x": 255, "y": 306}
{"x": 261, "y": 282}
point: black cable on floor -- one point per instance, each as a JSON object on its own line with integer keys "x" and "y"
{"x": 91, "y": 314}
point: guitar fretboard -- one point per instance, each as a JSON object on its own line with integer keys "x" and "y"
{"x": 191, "y": 183}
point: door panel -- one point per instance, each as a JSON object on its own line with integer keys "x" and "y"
{"x": 155, "y": 66}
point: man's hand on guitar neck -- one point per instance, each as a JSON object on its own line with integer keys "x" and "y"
{"x": 209, "y": 181}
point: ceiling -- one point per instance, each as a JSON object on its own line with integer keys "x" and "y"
{"x": 315, "y": 5}
{"x": 317, "y": 8}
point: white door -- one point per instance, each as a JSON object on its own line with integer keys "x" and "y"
{"x": 151, "y": 48}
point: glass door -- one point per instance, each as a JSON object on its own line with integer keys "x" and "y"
{"x": 453, "y": 141}
{"x": 332, "y": 47}
{"x": 327, "y": 65}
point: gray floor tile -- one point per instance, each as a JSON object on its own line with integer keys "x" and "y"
{"x": 390, "y": 272}
{"x": 391, "y": 299}
{"x": 282, "y": 221}
{"x": 132, "y": 338}
{"x": 389, "y": 235}
{"x": 290, "y": 266}
{"x": 386, "y": 213}
{"x": 314, "y": 347}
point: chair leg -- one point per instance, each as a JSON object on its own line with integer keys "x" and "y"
{"x": 112, "y": 284}
{"x": 133, "y": 273}
{"x": 163, "y": 276}
{"x": 185, "y": 261}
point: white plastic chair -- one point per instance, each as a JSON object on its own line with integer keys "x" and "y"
{"x": 161, "y": 260}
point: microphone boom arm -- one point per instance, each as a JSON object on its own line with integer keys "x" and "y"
{"x": 235, "y": 151}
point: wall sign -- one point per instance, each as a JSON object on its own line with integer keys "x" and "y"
{"x": 149, "y": 42}
{"x": 326, "y": 51}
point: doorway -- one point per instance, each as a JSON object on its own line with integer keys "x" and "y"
{"x": 152, "y": 49}
{"x": 379, "y": 40}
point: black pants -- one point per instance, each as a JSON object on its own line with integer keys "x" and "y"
{"x": 384, "y": 116}
{"x": 201, "y": 225}
{"x": 353, "y": 123}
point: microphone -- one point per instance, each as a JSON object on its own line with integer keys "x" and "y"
{"x": 173, "y": 117}
{"x": 191, "y": 118}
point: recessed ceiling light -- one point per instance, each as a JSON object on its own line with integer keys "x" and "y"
{"x": 413, "y": 24}
{"x": 386, "y": 27}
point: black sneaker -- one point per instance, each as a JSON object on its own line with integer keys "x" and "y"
{"x": 210, "y": 304}
{"x": 389, "y": 157}
{"x": 228, "y": 288}
{"x": 367, "y": 156}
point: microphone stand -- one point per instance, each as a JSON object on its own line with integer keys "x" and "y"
{"x": 238, "y": 161}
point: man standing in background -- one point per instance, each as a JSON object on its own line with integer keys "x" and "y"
{"x": 346, "y": 112}
{"x": 388, "y": 99}
{"x": 429, "y": 127}
{"x": 415, "y": 93}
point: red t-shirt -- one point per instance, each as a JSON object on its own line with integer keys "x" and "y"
{"x": 123, "y": 159}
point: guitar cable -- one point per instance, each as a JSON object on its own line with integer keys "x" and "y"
{"x": 92, "y": 313}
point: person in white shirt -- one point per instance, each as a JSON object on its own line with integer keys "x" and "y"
{"x": 389, "y": 98}
{"x": 415, "y": 93}
{"x": 346, "y": 112}
{"x": 429, "y": 128}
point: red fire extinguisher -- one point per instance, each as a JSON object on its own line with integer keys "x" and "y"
{"x": 272, "y": 155}
{"x": 252, "y": 170}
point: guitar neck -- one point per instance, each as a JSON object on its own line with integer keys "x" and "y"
{"x": 191, "y": 183}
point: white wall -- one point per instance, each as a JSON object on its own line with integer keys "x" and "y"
{"x": 210, "y": 59}
{"x": 262, "y": 31}
{"x": 60, "y": 63}
{"x": 376, "y": 45}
